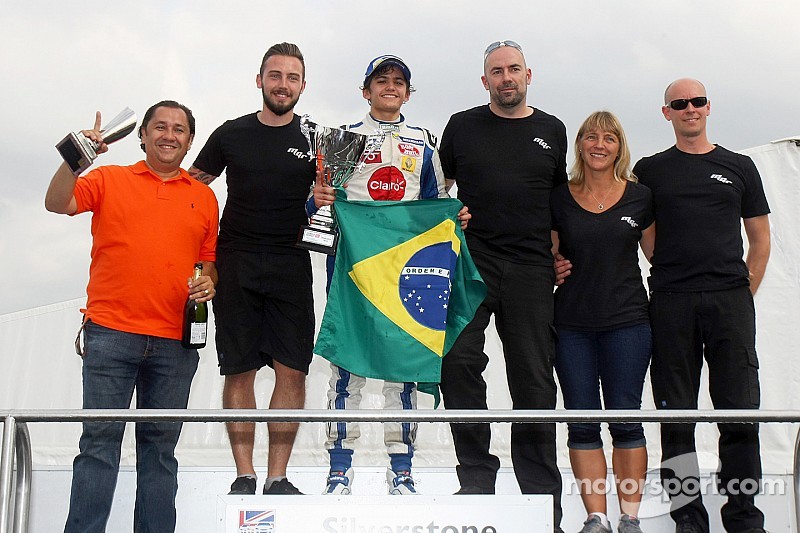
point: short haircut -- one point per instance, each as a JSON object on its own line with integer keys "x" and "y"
{"x": 603, "y": 121}
{"x": 165, "y": 103}
{"x": 284, "y": 49}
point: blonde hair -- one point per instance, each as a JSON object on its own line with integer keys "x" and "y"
{"x": 603, "y": 121}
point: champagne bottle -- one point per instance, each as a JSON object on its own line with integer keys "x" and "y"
{"x": 195, "y": 318}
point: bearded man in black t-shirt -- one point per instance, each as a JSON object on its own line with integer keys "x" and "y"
{"x": 701, "y": 304}
{"x": 264, "y": 308}
{"x": 506, "y": 158}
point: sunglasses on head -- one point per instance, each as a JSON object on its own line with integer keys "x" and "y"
{"x": 498, "y": 44}
{"x": 683, "y": 103}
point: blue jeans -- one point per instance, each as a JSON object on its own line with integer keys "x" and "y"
{"x": 617, "y": 359}
{"x": 115, "y": 363}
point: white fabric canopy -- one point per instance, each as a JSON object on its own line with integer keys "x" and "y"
{"x": 40, "y": 370}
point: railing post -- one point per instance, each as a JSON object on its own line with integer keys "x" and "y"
{"x": 796, "y": 479}
{"x": 22, "y": 500}
{"x": 6, "y": 471}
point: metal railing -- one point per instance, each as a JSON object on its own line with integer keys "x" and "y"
{"x": 16, "y": 440}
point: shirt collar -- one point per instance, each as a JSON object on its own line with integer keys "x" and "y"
{"x": 142, "y": 168}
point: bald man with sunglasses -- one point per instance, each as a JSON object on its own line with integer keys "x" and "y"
{"x": 701, "y": 303}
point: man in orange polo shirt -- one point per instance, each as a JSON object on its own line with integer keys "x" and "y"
{"x": 151, "y": 223}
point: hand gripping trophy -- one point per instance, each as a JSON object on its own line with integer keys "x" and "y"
{"x": 79, "y": 151}
{"x": 339, "y": 154}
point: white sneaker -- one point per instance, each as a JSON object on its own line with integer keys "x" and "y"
{"x": 339, "y": 482}
{"x": 400, "y": 483}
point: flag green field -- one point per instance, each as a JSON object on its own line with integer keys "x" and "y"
{"x": 404, "y": 287}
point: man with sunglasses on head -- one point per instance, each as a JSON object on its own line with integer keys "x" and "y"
{"x": 506, "y": 157}
{"x": 701, "y": 305}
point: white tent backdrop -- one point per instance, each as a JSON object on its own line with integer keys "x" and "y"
{"x": 39, "y": 368}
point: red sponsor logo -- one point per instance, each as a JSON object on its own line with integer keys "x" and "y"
{"x": 408, "y": 149}
{"x": 374, "y": 157}
{"x": 387, "y": 183}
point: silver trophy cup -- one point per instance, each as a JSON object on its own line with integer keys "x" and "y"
{"x": 339, "y": 154}
{"x": 79, "y": 151}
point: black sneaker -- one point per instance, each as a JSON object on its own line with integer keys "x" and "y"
{"x": 284, "y": 486}
{"x": 688, "y": 526}
{"x": 474, "y": 489}
{"x": 243, "y": 485}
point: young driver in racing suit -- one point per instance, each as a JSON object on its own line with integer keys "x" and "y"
{"x": 405, "y": 168}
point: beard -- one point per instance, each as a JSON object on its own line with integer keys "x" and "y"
{"x": 277, "y": 108}
{"x": 508, "y": 101}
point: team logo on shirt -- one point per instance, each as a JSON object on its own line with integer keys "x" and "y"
{"x": 630, "y": 221}
{"x": 387, "y": 183}
{"x": 299, "y": 154}
{"x": 408, "y": 149}
{"x": 374, "y": 157}
{"x": 541, "y": 143}
{"x": 720, "y": 178}
{"x": 408, "y": 163}
{"x": 411, "y": 141}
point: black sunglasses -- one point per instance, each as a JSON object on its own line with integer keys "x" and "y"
{"x": 683, "y": 103}
{"x": 497, "y": 44}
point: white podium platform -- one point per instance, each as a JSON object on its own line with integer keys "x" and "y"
{"x": 384, "y": 514}
{"x": 200, "y": 489}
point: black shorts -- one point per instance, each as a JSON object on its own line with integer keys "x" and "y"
{"x": 263, "y": 311}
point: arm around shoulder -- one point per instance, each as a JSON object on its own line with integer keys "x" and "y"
{"x": 758, "y": 240}
{"x": 199, "y": 175}
{"x": 648, "y": 242}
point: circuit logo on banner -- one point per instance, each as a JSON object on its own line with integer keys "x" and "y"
{"x": 352, "y": 525}
{"x": 257, "y": 521}
{"x": 384, "y": 514}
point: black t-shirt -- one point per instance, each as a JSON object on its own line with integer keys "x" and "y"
{"x": 505, "y": 169}
{"x": 268, "y": 175}
{"x": 605, "y": 290}
{"x": 699, "y": 201}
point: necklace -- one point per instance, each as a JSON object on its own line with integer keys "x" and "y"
{"x": 600, "y": 203}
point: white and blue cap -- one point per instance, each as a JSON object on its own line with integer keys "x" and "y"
{"x": 384, "y": 60}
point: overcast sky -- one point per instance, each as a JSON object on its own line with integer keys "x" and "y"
{"x": 62, "y": 61}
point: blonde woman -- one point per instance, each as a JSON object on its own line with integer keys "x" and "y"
{"x": 600, "y": 218}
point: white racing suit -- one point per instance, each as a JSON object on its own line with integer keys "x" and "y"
{"x": 406, "y": 168}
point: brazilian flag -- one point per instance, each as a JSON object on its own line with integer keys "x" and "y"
{"x": 404, "y": 287}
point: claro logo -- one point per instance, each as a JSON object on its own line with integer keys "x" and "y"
{"x": 387, "y": 183}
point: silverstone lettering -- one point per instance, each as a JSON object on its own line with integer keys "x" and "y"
{"x": 345, "y": 525}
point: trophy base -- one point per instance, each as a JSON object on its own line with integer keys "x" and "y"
{"x": 318, "y": 239}
{"x": 77, "y": 153}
